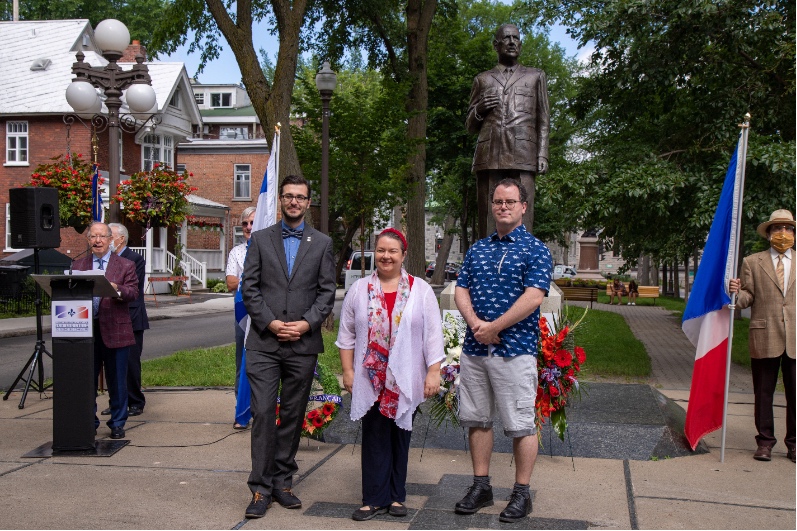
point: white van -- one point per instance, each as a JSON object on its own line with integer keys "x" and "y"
{"x": 563, "y": 271}
{"x": 354, "y": 267}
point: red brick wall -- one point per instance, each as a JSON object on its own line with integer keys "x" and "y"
{"x": 47, "y": 138}
{"x": 213, "y": 175}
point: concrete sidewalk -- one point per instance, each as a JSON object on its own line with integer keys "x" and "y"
{"x": 185, "y": 468}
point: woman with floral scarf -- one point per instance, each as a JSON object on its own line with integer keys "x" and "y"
{"x": 391, "y": 346}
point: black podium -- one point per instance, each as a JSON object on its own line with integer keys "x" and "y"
{"x": 74, "y": 394}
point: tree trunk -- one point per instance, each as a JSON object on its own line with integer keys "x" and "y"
{"x": 644, "y": 271}
{"x": 676, "y": 271}
{"x": 420, "y": 14}
{"x": 438, "y": 277}
{"x": 347, "y": 239}
{"x": 272, "y": 104}
{"x": 686, "y": 278}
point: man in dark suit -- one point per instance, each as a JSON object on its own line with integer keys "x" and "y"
{"x": 509, "y": 109}
{"x": 288, "y": 288}
{"x": 113, "y": 330}
{"x": 138, "y": 315}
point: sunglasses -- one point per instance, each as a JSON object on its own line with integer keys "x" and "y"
{"x": 247, "y": 223}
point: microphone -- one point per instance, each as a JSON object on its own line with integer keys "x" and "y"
{"x": 72, "y": 263}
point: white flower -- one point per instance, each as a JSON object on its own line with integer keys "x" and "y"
{"x": 453, "y": 354}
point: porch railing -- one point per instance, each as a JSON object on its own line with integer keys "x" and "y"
{"x": 164, "y": 261}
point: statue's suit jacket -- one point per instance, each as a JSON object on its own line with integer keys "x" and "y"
{"x": 772, "y": 312}
{"x": 514, "y": 134}
{"x": 269, "y": 293}
{"x": 114, "y": 316}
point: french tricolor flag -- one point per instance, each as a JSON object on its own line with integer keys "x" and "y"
{"x": 707, "y": 320}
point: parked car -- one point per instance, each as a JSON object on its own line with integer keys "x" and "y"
{"x": 563, "y": 271}
{"x": 354, "y": 267}
{"x": 452, "y": 271}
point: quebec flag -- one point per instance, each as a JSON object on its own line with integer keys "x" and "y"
{"x": 265, "y": 216}
{"x": 706, "y": 319}
{"x": 97, "y": 212}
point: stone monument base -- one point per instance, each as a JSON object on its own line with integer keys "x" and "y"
{"x": 550, "y": 304}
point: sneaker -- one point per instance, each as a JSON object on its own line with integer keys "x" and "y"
{"x": 258, "y": 506}
{"x": 286, "y": 498}
{"x": 628, "y": 304}
{"x": 519, "y": 507}
{"x": 478, "y": 496}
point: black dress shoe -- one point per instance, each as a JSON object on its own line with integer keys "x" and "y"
{"x": 258, "y": 506}
{"x": 790, "y": 454}
{"x": 286, "y": 498}
{"x": 106, "y": 412}
{"x": 361, "y": 515}
{"x": 134, "y": 411}
{"x": 478, "y": 496}
{"x": 117, "y": 433}
{"x": 398, "y": 510}
{"x": 519, "y": 507}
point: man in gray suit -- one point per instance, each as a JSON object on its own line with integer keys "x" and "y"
{"x": 288, "y": 288}
{"x": 509, "y": 109}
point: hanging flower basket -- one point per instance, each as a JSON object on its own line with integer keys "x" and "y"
{"x": 155, "y": 198}
{"x": 71, "y": 176}
{"x": 196, "y": 223}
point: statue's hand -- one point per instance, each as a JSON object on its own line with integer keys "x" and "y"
{"x": 487, "y": 104}
{"x": 542, "y": 165}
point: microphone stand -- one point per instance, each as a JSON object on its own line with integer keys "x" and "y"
{"x": 36, "y": 359}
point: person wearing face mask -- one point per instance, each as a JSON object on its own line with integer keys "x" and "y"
{"x": 235, "y": 267}
{"x": 767, "y": 288}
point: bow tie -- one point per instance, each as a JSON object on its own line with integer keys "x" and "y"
{"x": 291, "y": 233}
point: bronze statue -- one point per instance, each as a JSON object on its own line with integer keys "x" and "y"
{"x": 509, "y": 110}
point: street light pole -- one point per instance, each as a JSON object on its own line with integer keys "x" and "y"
{"x": 113, "y": 38}
{"x": 325, "y": 81}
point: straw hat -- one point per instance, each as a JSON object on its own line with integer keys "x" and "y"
{"x": 779, "y": 217}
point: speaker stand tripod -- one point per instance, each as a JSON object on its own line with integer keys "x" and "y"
{"x": 36, "y": 359}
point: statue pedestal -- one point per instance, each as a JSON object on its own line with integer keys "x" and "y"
{"x": 588, "y": 264}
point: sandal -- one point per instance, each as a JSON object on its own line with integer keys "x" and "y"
{"x": 397, "y": 509}
{"x": 361, "y": 515}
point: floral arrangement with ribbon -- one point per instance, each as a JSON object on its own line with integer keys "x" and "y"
{"x": 326, "y": 390}
{"x": 195, "y": 222}
{"x": 155, "y": 198}
{"x": 71, "y": 176}
{"x": 446, "y": 404}
{"x": 558, "y": 364}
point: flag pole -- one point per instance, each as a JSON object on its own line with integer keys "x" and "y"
{"x": 275, "y": 153}
{"x": 737, "y": 212}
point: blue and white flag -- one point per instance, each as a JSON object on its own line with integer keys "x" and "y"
{"x": 97, "y": 212}
{"x": 706, "y": 319}
{"x": 265, "y": 216}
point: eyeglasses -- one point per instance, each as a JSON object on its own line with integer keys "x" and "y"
{"x": 247, "y": 223}
{"x": 98, "y": 237}
{"x": 288, "y": 198}
{"x": 510, "y": 203}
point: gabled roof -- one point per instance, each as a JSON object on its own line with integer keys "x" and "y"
{"x": 26, "y": 92}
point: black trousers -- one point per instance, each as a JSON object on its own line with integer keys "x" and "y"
{"x": 274, "y": 447}
{"x": 765, "y": 378}
{"x": 385, "y": 452}
{"x": 135, "y": 397}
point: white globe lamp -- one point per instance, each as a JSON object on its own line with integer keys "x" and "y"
{"x": 81, "y": 96}
{"x": 140, "y": 97}
{"x": 112, "y": 36}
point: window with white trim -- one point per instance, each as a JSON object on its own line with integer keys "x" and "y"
{"x": 8, "y": 247}
{"x": 233, "y": 133}
{"x": 242, "y": 181}
{"x": 221, "y": 99}
{"x": 238, "y": 235}
{"x": 175, "y": 101}
{"x": 16, "y": 142}
{"x": 199, "y": 98}
{"x": 157, "y": 148}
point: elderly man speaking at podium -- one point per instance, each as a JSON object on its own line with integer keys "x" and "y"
{"x": 113, "y": 329}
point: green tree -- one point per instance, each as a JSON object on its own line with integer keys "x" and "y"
{"x": 368, "y": 147}
{"x": 137, "y": 16}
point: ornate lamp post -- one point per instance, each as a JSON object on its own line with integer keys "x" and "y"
{"x": 325, "y": 82}
{"x": 113, "y": 38}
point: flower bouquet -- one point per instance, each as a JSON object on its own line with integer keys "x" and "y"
{"x": 154, "y": 198}
{"x": 558, "y": 364}
{"x": 71, "y": 176}
{"x": 445, "y": 405}
{"x": 326, "y": 390}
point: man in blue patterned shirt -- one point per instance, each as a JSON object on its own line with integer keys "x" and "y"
{"x": 499, "y": 291}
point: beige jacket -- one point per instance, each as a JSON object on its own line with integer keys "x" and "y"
{"x": 772, "y": 313}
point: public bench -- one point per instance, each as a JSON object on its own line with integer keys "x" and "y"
{"x": 645, "y": 292}
{"x": 580, "y": 294}
{"x": 180, "y": 290}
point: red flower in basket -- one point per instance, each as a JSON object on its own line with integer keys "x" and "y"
{"x": 581, "y": 356}
{"x": 318, "y": 422}
{"x": 312, "y": 414}
{"x": 327, "y": 409}
{"x": 563, "y": 358}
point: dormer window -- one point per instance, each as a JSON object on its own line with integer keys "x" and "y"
{"x": 221, "y": 99}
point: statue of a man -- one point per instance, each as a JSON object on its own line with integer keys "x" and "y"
{"x": 509, "y": 110}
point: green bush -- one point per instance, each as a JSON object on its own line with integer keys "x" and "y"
{"x": 217, "y": 285}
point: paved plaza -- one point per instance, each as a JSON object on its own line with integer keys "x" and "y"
{"x": 623, "y": 465}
